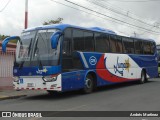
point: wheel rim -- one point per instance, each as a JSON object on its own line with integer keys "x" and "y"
{"x": 88, "y": 83}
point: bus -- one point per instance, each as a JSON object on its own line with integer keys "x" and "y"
{"x": 158, "y": 52}
{"x": 63, "y": 57}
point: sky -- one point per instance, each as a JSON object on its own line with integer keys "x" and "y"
{"x": 139, "y": 18}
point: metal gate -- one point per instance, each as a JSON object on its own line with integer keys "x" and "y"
{"x": 6, "y": 63}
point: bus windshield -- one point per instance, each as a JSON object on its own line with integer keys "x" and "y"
{"x": 34, "y": 49}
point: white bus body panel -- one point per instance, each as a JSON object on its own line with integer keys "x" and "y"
{"x": 37, "y": 83}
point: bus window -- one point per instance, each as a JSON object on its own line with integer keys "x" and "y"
{"x": 128, "y": 44}
{"x": 119, "y": 47}
{"x": 102, "y": 43}
{"x": 113, "y": 44}
{"x": 89, "y": 41}
{"x": 78, "y": 40}
{"x": 66, "y": 51}
{"x": 67, "y": 42}
{"x": 152, "y": 48}
{"x": 138, "y": 46}
{"x": 116, "y": 44}
{"x": 106, "y": 42}
{"x": 146, "y": 47}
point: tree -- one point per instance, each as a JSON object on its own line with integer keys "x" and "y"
{"x": 57, "y": 21}
{"x": 2, "y": 37}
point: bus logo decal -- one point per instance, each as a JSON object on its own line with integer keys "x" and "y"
{"x": 41, "y": 71}
{"x": 120, "y": 67}
{"x": 92, "y": 60}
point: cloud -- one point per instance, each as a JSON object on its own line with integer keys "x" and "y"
{"x": 12, "y": 18}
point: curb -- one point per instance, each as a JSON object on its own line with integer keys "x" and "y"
{"x": 11, "y": 97}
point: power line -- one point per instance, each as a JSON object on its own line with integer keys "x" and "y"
{"x": 121, "y": 9}
{"x": 5, "y": 6}
{"x": 90, "y": 14}
{"x": 118, "y": 12}
{"x": 133, "y": 0}
{"x": 117, "y": 22}
{"x": 111, "y": 17}
{"x": 84, "y": 11}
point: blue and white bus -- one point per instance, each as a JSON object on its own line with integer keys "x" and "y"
{"x": 65, "y": 57}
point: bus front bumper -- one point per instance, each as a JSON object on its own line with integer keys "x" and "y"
{"x": 37, "y": 83}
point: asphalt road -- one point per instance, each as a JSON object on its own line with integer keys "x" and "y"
{"x": 121, "y": 97}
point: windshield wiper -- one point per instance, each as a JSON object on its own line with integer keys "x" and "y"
{"x": 36, "y": 53}
{"x": 38, "y": 58}
{"x": 21, "y": 64}
{"x": 29, "y": 48}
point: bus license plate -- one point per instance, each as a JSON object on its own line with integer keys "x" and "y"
{"x": 30, "y": 85}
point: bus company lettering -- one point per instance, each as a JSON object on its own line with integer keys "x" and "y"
{"x": 41, "y": 71}
{"x": 120, "y": 67}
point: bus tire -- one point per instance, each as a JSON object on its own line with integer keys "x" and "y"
{"x": 143, "y": 77}
{"x": 89, "y": 84}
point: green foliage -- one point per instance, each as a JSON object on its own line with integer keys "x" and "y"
{"x": 57, "y": 21}
{"x": 2, "y": 37}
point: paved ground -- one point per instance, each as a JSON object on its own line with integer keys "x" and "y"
{"x": 122, "y": 97}
{"x": 6, "y": 83}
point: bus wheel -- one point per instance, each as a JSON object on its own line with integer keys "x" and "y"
{"x": 89, "y": 84}
{"x": 143, "y": 77}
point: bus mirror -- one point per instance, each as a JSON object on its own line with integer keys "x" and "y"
{"x": 5, "y": 42}
{"x": 54, "y": 39}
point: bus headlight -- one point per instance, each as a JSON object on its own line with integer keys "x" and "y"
{"x": 50, "y": 78}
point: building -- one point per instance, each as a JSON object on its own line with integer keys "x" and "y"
{"x": 6, "y": 64}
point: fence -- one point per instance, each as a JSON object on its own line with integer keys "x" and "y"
{"x": 6, "y": 63}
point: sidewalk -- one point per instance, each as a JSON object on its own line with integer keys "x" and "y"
{"x": 12, "y": 94}
{"x": 7, "y": 91}
{"x": 6, "y": 83}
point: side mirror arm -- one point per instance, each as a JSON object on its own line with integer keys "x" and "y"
{"x": 5, "y": 42}
{"x": 54, "y": 39}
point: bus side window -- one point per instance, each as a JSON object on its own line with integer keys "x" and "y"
{"x": 119, "y": 45}
{"x": 102, "y": 43}
{"x": 78, "y": 40}
{"x": 152, "y": 48}
{"x": 78, "y": 45}
{"x": 113, "y": 44}
{"x": 66, "y": 51}
{"x": 138, "y": 46}
{"x": 148, "y": 49}
{"x": 116, "y": 44}
{"x": 67, "y": 42}
{"x": 128, "y": 44}
{"x": 89, "y": 41}
{"x": 106, "y": 41}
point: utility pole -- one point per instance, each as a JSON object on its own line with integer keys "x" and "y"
{"x": 135, "y": 35}
{"x": 26, "y": 15}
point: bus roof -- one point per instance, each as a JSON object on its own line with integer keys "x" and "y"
{"x": 64, "y": 26}
{"x": 142, "y": 38}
